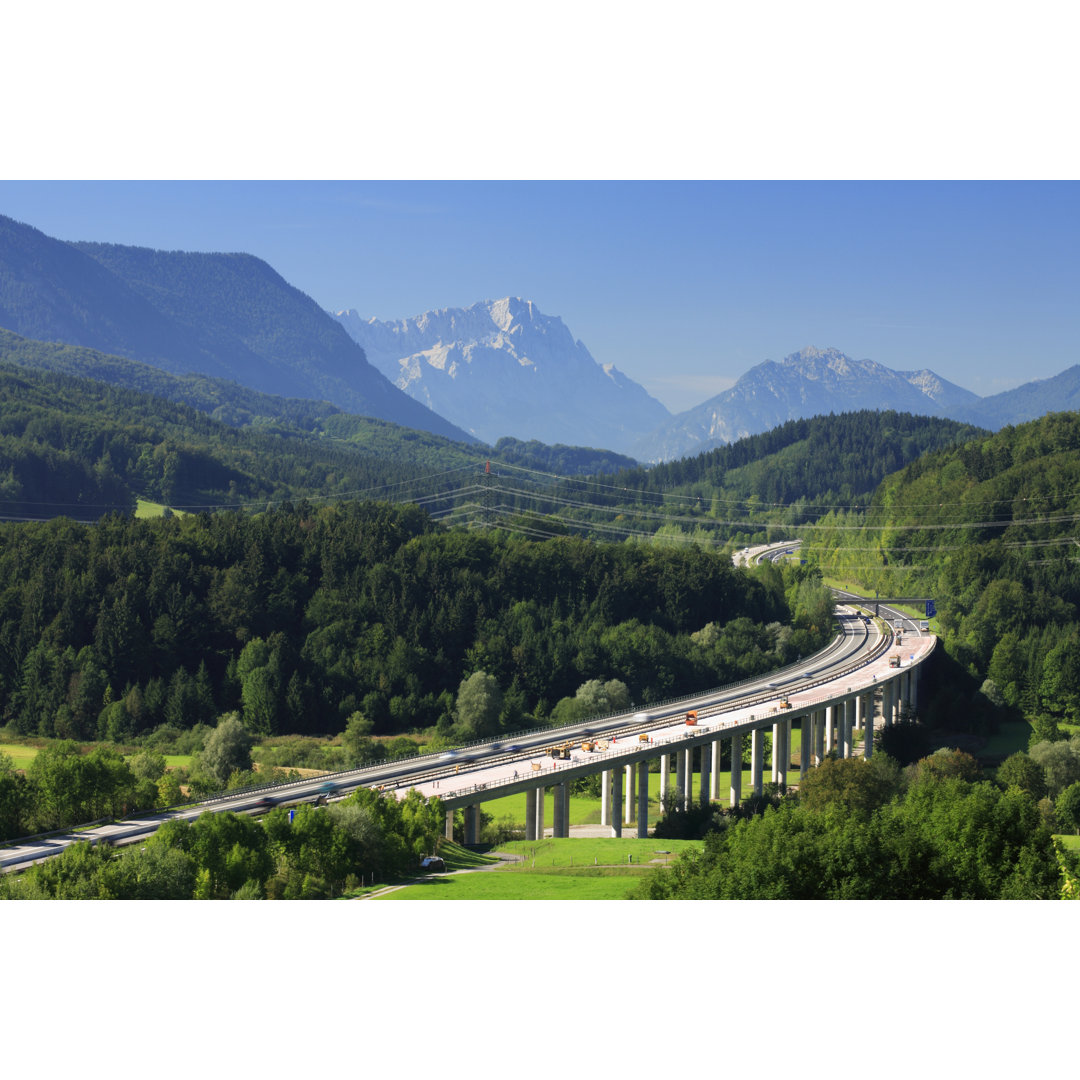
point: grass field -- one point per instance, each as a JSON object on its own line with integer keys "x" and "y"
{"x": 1069, "y": 840}
{"x": 144, "y": 508}
{"x": 600, "y": 869}
{"x": 21, "y": 755}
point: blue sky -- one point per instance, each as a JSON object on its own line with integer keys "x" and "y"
{"x": 682, "y": 285}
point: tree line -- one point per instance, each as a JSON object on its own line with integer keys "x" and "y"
{"x": 311, "y": 853}
{"x": 300, "y": 617}
{"x": 865, "y": 829}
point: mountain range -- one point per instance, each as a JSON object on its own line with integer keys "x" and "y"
{"x": 503, "y": 368}
{"x": 496, "y": 369}
{"x": 817, "y": 382}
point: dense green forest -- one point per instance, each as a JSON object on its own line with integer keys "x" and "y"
{"x": 863, "y": 829}
{"x": 300, "y": 617}
{"x": 989, "y": 530}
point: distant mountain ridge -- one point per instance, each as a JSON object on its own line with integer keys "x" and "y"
{"x": 817, "y": 382}
{"x": 503, "y": 368}
{"x": 228, "y": 316}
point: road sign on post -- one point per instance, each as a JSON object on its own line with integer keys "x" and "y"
{"x": 931, "y": 611}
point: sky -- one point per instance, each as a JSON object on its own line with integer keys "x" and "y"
{"x": 691, "y": 194}
{"x": 683, "y": 285}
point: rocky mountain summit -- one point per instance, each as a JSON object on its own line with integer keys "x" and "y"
{"x": 502, "y": 367}
{"x": 811, "y": 382}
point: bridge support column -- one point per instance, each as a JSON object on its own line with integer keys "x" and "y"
{"x": 707, "y": 752}
{"x": 616, "y": 800}
{"x": 868, "y": 738}
{"x": 806, "y": 740}
{"x": 714, "y": 770}
{"x": 664, "y": 766}
{"x": 830, "y": 724}
{"x": 849, "y": 724}
{"x": 757, "y": 746}
{"x": 472, "y": 824}
{"x": 628, "y": 809}
{"x": 643, "y": 800}
{"x": 530, "y": 814}
{"x": 736, "y": 770}
{"x": 539, "y": 813}
{"x": 558, "y": 825}
{"x": 777, "y": 740}
{"x": 605, "y": 797}
{"x": 680, "y": 777}
{"x": 688, "y": 775}
{"x": 449, "y": 825}
{"x": 784, "y": 758}
{"x": 860, "y": 708}
{"x": 819, "y": 734}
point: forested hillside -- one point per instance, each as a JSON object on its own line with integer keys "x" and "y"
{"x": 988, "y": 529}
{"x": 823, "y": 461}
{"x": 744, "y": 492}
{"x": 229, "y": 316}
{"x": 299, "y": 618}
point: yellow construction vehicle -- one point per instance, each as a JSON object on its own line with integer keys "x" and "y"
{"x": 691, "y": 717}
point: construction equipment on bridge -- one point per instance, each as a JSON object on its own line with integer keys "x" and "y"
{"x": 560, "y": 752}
{"x": 588, "y": 745}
{"x": 894, "y": 660}
{"x": 784, "y": 703}
{"x": 691, "y": 717}
{"x": 643, "y": 736}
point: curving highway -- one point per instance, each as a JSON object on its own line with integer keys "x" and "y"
{"x": 854, "y": 663}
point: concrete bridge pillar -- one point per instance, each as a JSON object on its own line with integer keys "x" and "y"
{"x": 714, "y": 769}
{"x": 706, "y": 773}
{"x": 530, "y": 814}
{"x": 849, "y": 725}
{"x": 472, "y": 824}
{"x": 680, "y": 776}
{"x": 757, "y": 746}
{"x": 616, "y": 800}
{"x": 449, "y": 825}
{"x": 628, "y": 810}
{"x": 736, "y": 770}
{"x": 688, "y": 774}
{"x": 783, "y": 759}
{"x": 605, "y": 797}
{"x": 777, "y": 739}
{"x": 539, "y": 813}
{"x": 806, "y": 739}
{"x": 830, "y": 724}
{"x": 664, "y": 766}
{"x": 868, "y": 739}
{"x": 643, "y": 800}
{"x": 819, "y": 734}
{"x": 559, "y": 810}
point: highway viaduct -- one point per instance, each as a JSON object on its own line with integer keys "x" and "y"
{"x": 828, "y": 712}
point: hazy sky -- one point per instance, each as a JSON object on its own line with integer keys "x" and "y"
{"x": 683, "y": 286}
